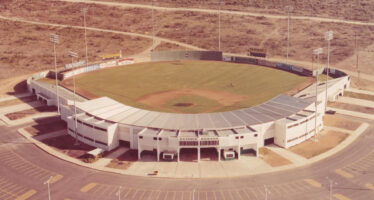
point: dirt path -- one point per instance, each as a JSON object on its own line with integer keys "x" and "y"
{"x": 103, "y": 30}
{"x": 160, "y": 98}
{"x": 212, "y": 11}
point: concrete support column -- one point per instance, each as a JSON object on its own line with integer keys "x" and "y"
{"x": 139, "y": 153}
{"x": 219, "y": 153}
{"x": 178, "y": 154}
{"x": 158, "y": 155}
{"x": 198, "y": 154}
{"x": 158, "y": 151}
{"x": 238, "y": 152}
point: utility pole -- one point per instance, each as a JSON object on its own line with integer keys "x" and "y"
{"x": 54, "y": 39}
{"x": 329, "y": 35}
{"x": 73, "y": 55}
{"x": 288, "y": 10}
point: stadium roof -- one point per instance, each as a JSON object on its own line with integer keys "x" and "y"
{"x": 279, "y": 107}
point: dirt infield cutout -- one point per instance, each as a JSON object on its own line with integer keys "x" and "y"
{"x": 309, "y": 149}
{"x": 340, "y": 122}
{"x": 272, "y": 158}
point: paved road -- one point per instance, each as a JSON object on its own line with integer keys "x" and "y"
{"x": 24, "y": 168}
{"x": 253, "y": 14}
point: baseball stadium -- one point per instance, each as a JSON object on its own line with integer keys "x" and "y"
{"x": 191, "y": 100}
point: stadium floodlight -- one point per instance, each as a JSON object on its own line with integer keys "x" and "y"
{"x": 73, "y": 55}
{"x": 153, "y": 25}
{"x": 84, "y": 11}
{"x": 49, "y": 191}
{"x": 266, "y": 192}
{"x": 329, "y": 35}
{"x": 316, "y": 52}
{"x": 288, "y": 9}
{"x": 55, "y": 40}
{"x": 331, "y": 182}
{"x": 119, "y": 193}
{"x": 219, "y": 26}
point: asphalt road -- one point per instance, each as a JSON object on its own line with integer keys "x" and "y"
{"x": 24, "y": 168}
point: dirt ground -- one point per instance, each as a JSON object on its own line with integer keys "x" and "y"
{"x": 343, "y": 9}
{"x": 201, "y": 29}
{"x": 309, "y": 149}
{"x": 272, "y": 158}
{"x": 339, "y": 122}
{"x": 28, "y": 49}
{"x": 65, "y": 144}
{"x": 125, "y": 160}
{"x": 40, "y": 129}
{"x": 359, "y": 96}
{"x": 17, "y": 101}
{"x": 30, "y": 112}
{"x": 356, "y": 108}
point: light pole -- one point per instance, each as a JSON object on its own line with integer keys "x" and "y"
{"x": 153, "y": 25}
{"x": 219, "y": 26}
{"x": 54, "y": 39}
{"x": 316, "y": 52}
{"x": 329, "y": 35}
{"x": 119, "y": 193}
{"x": 288, "y": 10}
{"x": 84, "y": 10}
{"x": 331, "y": 182}
{"x": 356, "y": 51}
{"x": 49, "y": 191}
{"x": 266, "y": 192}
{"x": 73, "y": 55}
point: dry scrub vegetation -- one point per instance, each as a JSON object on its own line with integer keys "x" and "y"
{"x": 29, "y": 46}
{"x": 343, "y": 9}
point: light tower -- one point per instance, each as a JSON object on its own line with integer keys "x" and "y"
{"x": 54, "y": 39}
{"x": 73, "y": 55}
{"x": 153, "y": 25}
{"x": 84, "y": 11}
{"x": 329, "y": 35}
{"x": 316, "y": 52}
{"x": 288, "y": 9}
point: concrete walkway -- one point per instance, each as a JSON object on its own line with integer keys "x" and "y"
{"x": 289, "y": 155}
{"x": 102, "y": 162}
{"x": 247, "y": 165}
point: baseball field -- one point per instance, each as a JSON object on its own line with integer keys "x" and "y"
{"x": 189, "y": 86}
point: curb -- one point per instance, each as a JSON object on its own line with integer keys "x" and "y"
{"x": 350, "y": 139}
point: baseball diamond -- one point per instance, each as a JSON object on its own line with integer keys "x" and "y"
{"x": 109, "y": 119}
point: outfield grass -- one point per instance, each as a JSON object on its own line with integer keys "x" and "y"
{"x": 129, "y": 83}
